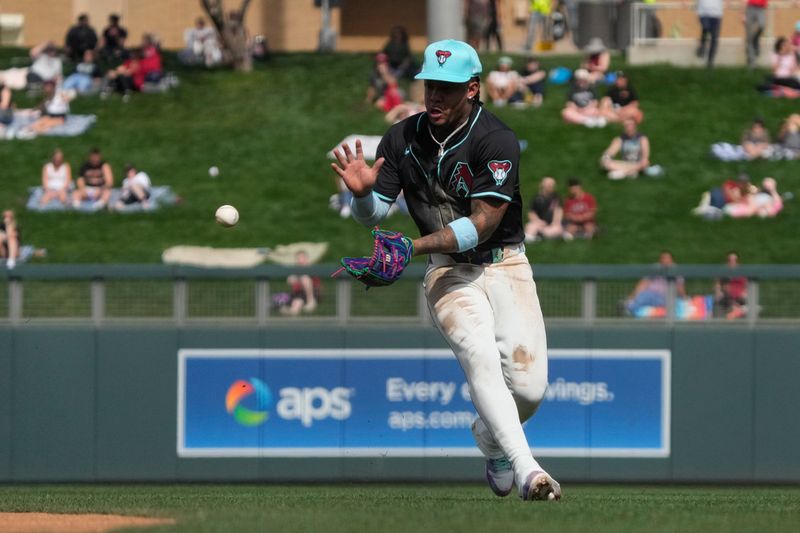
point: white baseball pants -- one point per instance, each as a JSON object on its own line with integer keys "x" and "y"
{"x": 491, "y": 318}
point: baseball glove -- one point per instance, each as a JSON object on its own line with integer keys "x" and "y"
{"x": 390, "y": 255}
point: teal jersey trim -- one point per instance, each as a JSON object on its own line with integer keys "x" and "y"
{"x": 490, "y": 193}
{"x": 384, "y": 198}
{"x": 459, "y": 143}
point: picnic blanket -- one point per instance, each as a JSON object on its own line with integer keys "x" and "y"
{"x": 73, "y": 126}
{"x": 735, "y": 152}
{"x": 209, "y": 257}
{"x": 159, "y": 197}
{"x": 699, "y": 307}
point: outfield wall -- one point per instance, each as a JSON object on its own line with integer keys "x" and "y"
{"x": 101, "y": 404}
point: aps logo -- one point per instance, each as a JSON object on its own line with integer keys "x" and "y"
{"x": 442, "y": 55}
{"x": 306, "y": 404}
{"x": 499, "y": 170}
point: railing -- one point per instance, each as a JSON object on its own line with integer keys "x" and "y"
{"x": 679, "y": 21}
{"x": 102, "y": 294}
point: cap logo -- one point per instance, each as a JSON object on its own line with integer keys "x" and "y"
{"x": 442, "y": 55}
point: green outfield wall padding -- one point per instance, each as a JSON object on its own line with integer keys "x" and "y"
{"x": 100, "y": 404}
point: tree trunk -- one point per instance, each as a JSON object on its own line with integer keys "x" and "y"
{"x": 232, "y": 33}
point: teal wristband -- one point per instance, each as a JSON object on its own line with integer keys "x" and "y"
{"x": 466, "y": 234}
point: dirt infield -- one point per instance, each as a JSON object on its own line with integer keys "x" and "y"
{"x": 73, "y": 523}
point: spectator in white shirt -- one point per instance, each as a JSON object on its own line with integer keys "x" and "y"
{"x": 136, "y": 188}
{"x": 201, "y": 45}
{"x": 53, "y": 110}
{"x": 503, "y": 83}
{"x": 56, "y": 179}
{"x": 46, "y": 64}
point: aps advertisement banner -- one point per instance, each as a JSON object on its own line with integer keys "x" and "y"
{"x": 409, "y": 403}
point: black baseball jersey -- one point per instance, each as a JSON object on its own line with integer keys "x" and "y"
{"x": 481, "y": 161}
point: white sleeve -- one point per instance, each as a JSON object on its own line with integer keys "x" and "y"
{"x": 370, "y": 209}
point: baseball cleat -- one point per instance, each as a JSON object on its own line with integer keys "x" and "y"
{"x": 500, "y": 476}
{"x": 540, "y": 486}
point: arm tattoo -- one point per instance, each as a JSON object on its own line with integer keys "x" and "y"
{"x": 486, "y": 216}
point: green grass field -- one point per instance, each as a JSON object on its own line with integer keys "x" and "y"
{"x": 269, "y": 131}
{"x": 437, "y": 508}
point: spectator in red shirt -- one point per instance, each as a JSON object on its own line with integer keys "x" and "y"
{"x": 580, "y": 209}
{"x": 128, "y": 76}
{"x": 151, "y": 60}
{"x": 730, "y": 293}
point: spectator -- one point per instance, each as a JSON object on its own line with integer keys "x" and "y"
{"x": 127, "y": 77}
{"x": 150, "y": 63}
{"x": 94, "y": 182}
{"x": 398, "y": 53}
{"x": 202, "y": 47}
{"x": 46, "y": 65}
{"x": 9, "y": 239}
{"x": 539, "y": 19}
{"x": 503, "y": 83}
{"x": 582, "y": 107}
{"x": 532, "y": 80}
{"x": 87, "y": 75}
{"x": 545, "y": 215}
{"x": 597, "y": 61}
{"x": 730, "y": 292}
{"x": 391, "y": 97}
{"x": 755, "y": 18}
{"x": 114, "y": 37}
{"x": 379, "y": 79}
{"x": 136, "y": 188}
{"x": 710, "y": 14}
{"x": 6, "y": 107}
{"x": 789, "y": 136}
{"x": 493, "y": 28}
{"x": 476, "y": 13}
{"x": 784, "y": 64}
{"x": 56, "y": 179}
{"x": 621, "y": 101}
{"x": 752, "y": 201}
{"x": 52, "y": 111}
{"x": 755, "y": 141}
{"x": 652, "y": 291}
{"x": 634, "y": 149}
{"x": 580, "y": 209}
{"x": 80, "y": 37}
{"x": 304, "y": 291}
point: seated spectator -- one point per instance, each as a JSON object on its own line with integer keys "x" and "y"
{"x": 6, "y": 107}
{"x": 56, "y": 179}
{"x": 410, "y": 107}
{"x": 202, "y": 47}
{"x": 128, "y": 76}
{"x": 755, "y": 141}
{"x": 634, "y": 149}
{"x": 9, "y": 239}
{"x": 752, "y": 201}
{"x": 582, "y": 107}
{"x": 398, "y": 52}
{"x": 114, "y": 36}
{"x": 597, "y": 61}
{"x": 533, "y": 79}
{"x": 652, "y": 291}
{"x": 136, "y": 188}
{"x": 730, "y": 292}
{"x": 391, "y": 96}
{"x": 714, "y": 200}
{"x": 52, "y": 111}
{"x": 545, "y": 216}
{"x": 150, "y": 63}
{"x": 580, "y": 209}
{"x": 80, "y": 37}
{"x": 502, "y": 84}
{"x": 304, "y": 291}
{"x": 46, "y": 65}
{"x": 784, "y": 64}
{"x": 87, "y": 75}
{"x": 789, "y": 136}
{"x": 621, "y": 101}
{"x": 95, "y": 180}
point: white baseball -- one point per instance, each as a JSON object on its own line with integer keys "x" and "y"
{"x": 213, "y": 172}
{"x": 227, "y": 215}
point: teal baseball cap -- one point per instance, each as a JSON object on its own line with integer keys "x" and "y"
{"x": 451, "y": 61}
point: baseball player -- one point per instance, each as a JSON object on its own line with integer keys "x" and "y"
{"x": 458, "y": 166}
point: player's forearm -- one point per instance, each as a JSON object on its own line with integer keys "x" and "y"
{"x": 369, "y": 210}
{"x": 441, "y": 242}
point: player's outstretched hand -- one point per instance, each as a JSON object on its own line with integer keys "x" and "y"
{"x": 358, "y": 176}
